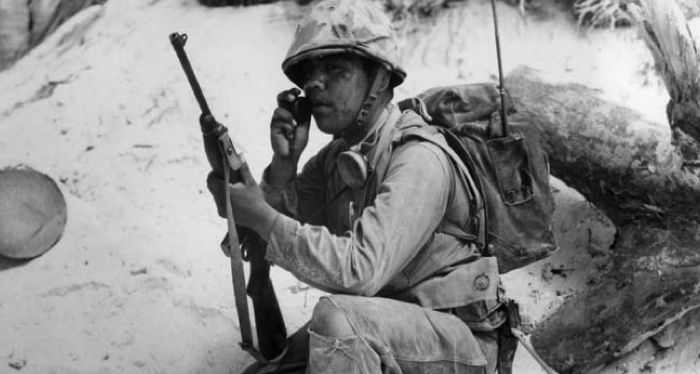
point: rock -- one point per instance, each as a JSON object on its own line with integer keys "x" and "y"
{"x": 14, "y": 35}
{"x": 17, "y": 361}
{"x": 32, "y": 213}
{"x": 17, "y": 364}
{"x": 25, "y": 24}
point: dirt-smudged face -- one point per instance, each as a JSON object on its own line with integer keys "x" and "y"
{"x": 336, "y": 85}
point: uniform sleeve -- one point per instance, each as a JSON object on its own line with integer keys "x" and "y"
{"x": 303, "y": 197}
{"x": 410, "y": 203}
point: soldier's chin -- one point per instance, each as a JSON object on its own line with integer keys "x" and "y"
{"x": 324, "y": 123}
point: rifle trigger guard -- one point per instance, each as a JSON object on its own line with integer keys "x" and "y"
{"x": 244, "y": 253}
{"x": 225, "y": 247}
{"x": 254, "y": 352}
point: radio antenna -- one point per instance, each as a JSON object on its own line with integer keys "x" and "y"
{"x": 501, "y": 87}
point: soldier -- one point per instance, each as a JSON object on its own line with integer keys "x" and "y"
{"x": 373, "y": 218}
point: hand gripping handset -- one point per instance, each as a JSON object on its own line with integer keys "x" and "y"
{"x": 299, "y": 106}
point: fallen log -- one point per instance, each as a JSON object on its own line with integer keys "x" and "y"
{"x": 645, "y": 178}
{"x": 629, "y": 168}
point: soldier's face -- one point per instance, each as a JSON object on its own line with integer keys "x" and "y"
{"x": 336, "y": 85}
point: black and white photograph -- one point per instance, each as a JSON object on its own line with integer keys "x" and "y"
{"x": 350, "y": 186}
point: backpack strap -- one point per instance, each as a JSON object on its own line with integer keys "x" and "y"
{"x": 475, "y": 229}
{"x": 378, "y": 158}
{"x": 453, "y": 229}
{"x": 461, "y": 155}
{"x": 412, "y": 127}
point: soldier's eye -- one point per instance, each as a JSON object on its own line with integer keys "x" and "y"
{"x": 331, "y": 67}
{"x": 306, "y": 70}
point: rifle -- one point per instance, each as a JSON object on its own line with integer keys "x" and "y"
{"x": 228, "y": 165}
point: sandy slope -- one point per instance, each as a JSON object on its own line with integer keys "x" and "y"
{"x": 137, "y": 283}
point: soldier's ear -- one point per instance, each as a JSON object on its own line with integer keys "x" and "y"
{"x": 386, "y": 79}
{"x": 385, "y": 83}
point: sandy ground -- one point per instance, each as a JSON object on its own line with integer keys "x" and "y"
{"x": 138, "y": 283}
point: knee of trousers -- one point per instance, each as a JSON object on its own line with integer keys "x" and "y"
{"x": 330, "y": 320}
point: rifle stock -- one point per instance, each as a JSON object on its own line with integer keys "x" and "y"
{"x": 270, "y": 328}
{"x": 225, "y": 162}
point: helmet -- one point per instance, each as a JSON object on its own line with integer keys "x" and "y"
{"x": 344, "y": 26}
{"x": 32, "y": 213}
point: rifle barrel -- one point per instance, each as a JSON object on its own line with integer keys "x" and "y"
{"x": 178, "y": 41}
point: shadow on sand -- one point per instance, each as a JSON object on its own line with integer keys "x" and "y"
{"x": 8, "y": 263}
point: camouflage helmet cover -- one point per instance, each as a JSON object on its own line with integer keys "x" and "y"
{"x": 344, "y": 26}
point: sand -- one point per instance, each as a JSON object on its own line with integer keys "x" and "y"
{"x": 138, "y": 284}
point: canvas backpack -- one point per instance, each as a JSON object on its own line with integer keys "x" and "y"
{"x": 510, "y": 173}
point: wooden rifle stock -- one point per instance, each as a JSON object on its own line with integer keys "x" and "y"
{"x": 225, "y": 163}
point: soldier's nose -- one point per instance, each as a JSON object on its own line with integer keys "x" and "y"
{"x": 313, "y": 84}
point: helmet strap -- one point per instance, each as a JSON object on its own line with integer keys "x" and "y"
{"x": 380, "y": 81}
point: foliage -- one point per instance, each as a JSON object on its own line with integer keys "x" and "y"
{"x": 602, "y": 13}
{"x": 588, "y": 13}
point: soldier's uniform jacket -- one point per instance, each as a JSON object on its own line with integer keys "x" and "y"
{"x": 386, "y": 239}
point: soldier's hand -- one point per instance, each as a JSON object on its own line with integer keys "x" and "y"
{"x": 247, "y": 201}
{"x": 288, "y": 135}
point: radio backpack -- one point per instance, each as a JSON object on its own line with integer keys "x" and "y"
{"x": 511, "y": 172}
